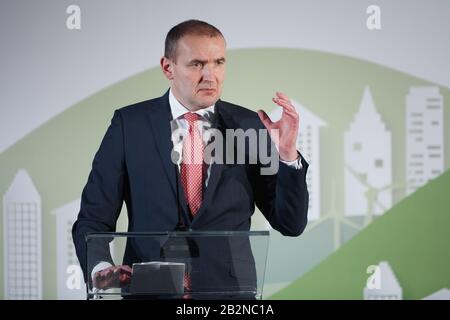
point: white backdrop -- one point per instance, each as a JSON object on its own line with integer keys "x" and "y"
{"x": 46, "y": 68}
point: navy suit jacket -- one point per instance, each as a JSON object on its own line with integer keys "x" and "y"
{"x": 133, "y": 165}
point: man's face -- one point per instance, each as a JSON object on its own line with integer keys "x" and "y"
{"x": 198, "y": 72}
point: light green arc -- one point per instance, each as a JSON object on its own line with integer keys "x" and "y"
{"x": 58, "y": 154}
{"x": 413, "y": 237}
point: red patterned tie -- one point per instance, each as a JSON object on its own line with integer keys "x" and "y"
{"x": 192, "y": 174}
{"x": 187, "y": 285}
{"x": 192, "y": 164}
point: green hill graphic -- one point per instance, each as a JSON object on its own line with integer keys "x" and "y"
{"x": 413, "y": 237}
{"x": 58, "y": 154}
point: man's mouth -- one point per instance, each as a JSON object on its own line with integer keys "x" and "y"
{"x": 207, "y": 90}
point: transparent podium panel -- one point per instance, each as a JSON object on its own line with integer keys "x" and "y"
{"x": 176, "y": 265}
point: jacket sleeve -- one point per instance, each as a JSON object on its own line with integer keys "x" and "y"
{"x": 102, "y": 198}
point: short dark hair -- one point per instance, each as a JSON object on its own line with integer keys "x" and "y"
{"x": 188, "y": 27}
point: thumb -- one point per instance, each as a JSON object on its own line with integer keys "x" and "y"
{"x": 265, "y": 119}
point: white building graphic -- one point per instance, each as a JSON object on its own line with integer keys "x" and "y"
{"x": 22, "y": 239}
{"x": 70, "y": 282}
{"x": 368, "y": 167}
{"x": 383, "y": 284}
{"x": 424, "y": 136}
{"x": 308, "y": 143}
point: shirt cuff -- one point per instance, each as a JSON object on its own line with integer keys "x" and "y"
{"x": 295, "y": 164}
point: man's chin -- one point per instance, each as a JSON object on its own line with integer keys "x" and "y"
{"x": 207, "y": 102}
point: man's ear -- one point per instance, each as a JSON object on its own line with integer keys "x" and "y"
{"x": 167, "y": 67}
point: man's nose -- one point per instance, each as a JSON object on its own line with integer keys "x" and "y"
{"x": 207, "y": 73}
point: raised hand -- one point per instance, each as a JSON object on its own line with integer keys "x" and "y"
{"x": 287, "y": 126}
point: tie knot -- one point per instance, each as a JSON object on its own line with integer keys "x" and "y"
{"x": 191, "y": 117}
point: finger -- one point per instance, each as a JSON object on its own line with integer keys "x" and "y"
{"x": 284, "y": 103}
{"x": 124, "y": 277}
{"x": 125, "y": 271}
{"x": 290, "y": 117}
{"x": 287, "y": 109}
{"x": 282, "y": 96}
{"x": 106, "y": 272}
{"x": 113, "y": 278}
{"x": 292, "y": 113}
{"x": 126, "y": 268}
{"x": 265, "y": 119}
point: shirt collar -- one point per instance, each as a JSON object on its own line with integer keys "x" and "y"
{"x": 179, "y": 110}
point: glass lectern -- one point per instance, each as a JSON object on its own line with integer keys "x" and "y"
{"x": 179, "y": 265}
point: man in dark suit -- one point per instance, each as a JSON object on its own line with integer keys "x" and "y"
{"x": 141, "y": 163}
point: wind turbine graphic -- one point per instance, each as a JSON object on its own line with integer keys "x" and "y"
{"x": 338, "y": 219}
{"x": 372, "y": 194}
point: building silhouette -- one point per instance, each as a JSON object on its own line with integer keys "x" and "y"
{"x": 70, "y": 282}
{"x": 22, "y": 213}
{"x": 368, "y": 162}
{"x": 424, "y": 136}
